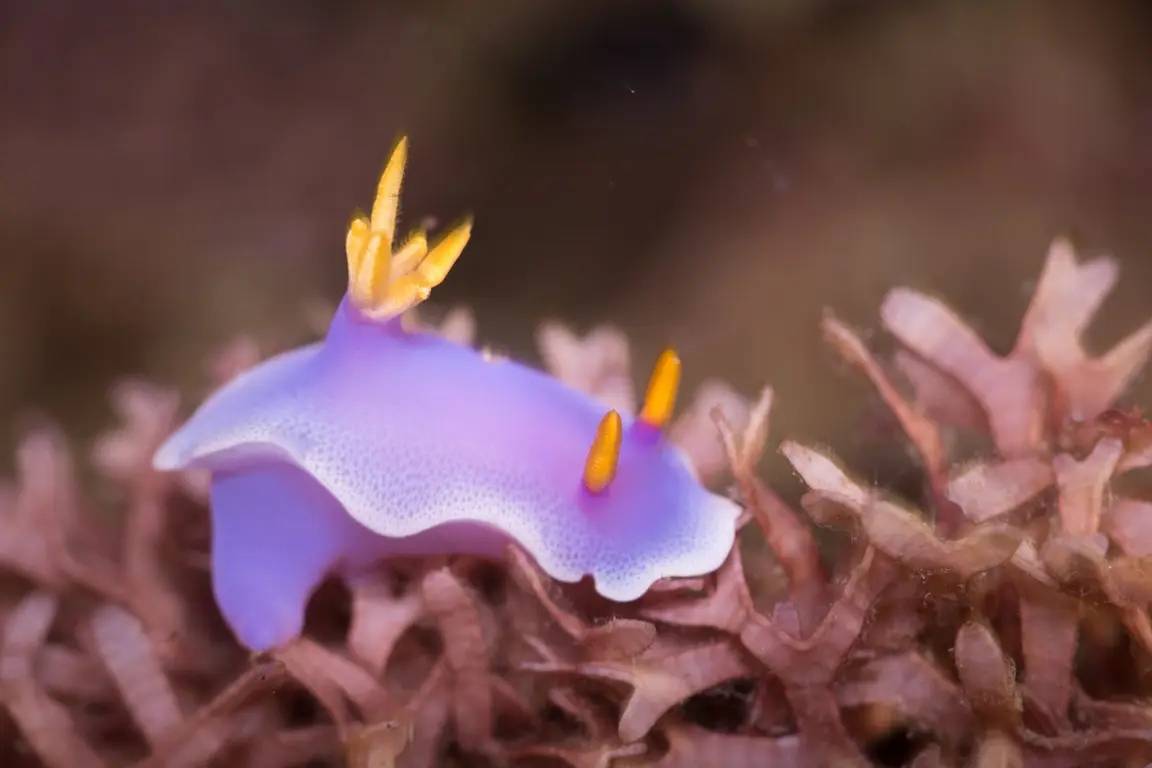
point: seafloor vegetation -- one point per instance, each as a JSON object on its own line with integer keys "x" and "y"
{"x": 994, "y": 615}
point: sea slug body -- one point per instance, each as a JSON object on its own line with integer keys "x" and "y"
{"x": 379, "y": 442}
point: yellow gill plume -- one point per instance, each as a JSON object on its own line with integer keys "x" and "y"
{"x": 382, "y": 282}
{"x": 413, "y": 251}
{"x": 387, "y": 203}
{"x": 660, "y": 400}
{"x": 600, "y": 467}
{"x": 439, "y": 261}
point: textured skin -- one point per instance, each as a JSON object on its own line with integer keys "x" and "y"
{"x": 408, "y": 432}
{"x": 276, "y": 533}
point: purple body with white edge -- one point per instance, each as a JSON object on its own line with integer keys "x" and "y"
{"x": 380, "y": 442}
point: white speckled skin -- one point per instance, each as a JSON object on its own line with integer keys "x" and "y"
{"x": 407, "y": 433}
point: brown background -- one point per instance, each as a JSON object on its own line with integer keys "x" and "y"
{"x": 705, "y": 173}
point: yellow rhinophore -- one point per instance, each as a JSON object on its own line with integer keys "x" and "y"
{"x": 384, "y": 282}
{"x": 660, "y": 399}
{"x": 600, "y": 467}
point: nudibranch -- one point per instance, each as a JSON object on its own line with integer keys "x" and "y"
{"x": 380, "y": 441}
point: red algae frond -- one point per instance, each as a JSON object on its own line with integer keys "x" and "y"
{"x": 998, "y": 618}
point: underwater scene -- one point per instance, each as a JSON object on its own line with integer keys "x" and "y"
{"x": 689, "y": 384}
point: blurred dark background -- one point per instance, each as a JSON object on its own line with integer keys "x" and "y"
{"x": 705, "y": 172}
